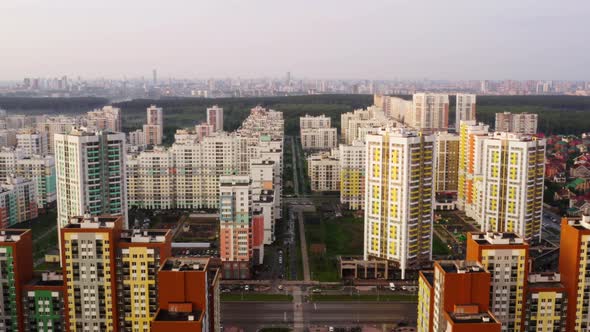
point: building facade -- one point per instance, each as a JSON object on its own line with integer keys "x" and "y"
{"x": 154, "y": 128}
{"x": 215, "y": 118}
{"x": 319, "y": 138}
{"x": 521, "y": 123}
{"x": 352, "y": 174}
{"x": 546, "y": 303}
{"x": 430, "y": 112}
{"x": 464, "y": 109}
{"x": 399, "y": 197}
{"x": 323, "y": 170}
{"x": 43, "y": 304}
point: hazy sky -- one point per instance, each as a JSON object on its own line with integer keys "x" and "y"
{"x": 373, "y": 39}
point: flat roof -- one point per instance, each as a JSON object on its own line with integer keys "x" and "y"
{"x": 460, "y": 266}
{"x": 174, "y": 316}
{"x": 471, "y": 318}
{"x": 88, "y": 221}
{"x": 144, "y": 236}
{"x": 11, "y": 235}
{"x": 497, "y": 238}
{"x": 185, "y": 264}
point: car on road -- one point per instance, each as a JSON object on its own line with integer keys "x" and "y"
{"x": 280, "y": 287}
{"x": 331, "y": 329}
{"x": 247, "y": 288}
{"x": 392, "y": 286}
{"x": 226, "y": 290}
{"x": 404, "y": 287}
{"x": 316, "y": 291}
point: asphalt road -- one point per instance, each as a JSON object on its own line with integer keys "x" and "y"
{"x": 254, "y": 315}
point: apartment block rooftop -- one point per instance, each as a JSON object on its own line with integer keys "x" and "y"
{"x": 185, "y": 264}
{"x": 12, "y": 235}
{"x": 473, "y": 318}
{"x": 48, "y": 279}
{"x": 460, "y": 266}
{"x": 87, "y": 222}
{"x": 178, "y": 316}
{"x": 496, "y": 238}
{"x": 145, "y": 236}
{"x": 581, "y": 223}
{"x": 233, "y": 180}
{"x": 544, "y": 280}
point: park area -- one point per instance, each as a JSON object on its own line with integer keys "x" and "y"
{"x": 328, "y": 238}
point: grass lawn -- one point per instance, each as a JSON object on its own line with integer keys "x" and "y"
{"x": 342, "y": 236}
{"x": 367, "y": 298}
{"x": 44, "y": 231}
{"x": 251, "y": 297}
{"x": 439, "y": 248}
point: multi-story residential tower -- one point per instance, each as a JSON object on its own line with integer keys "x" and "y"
{"x": 16, "y": 266}
{"x": 154, "y": 128}
{"x": 136, "y": 138}
{"x": 106, "y": 119}
{"x": 430, "y": 112}
{"x": 32, "y": 142}
{"x": 546, "y": 303}
{"x": 522, "y": 123}
{"x": 7, "y": 138}
{"x": 90, "y": 169}
{"x": 316, "y": 133}
{"x": 446, "y": 168}
{"x": 352, "y": 175}
{"x": 505, "y": 257}
{"x": 394, "y": 107}
{"x": 150, "y": 179}
{"x": 452, "y": 284}
{"x": 140, "y": 254}
{"x": 215, "y": 117}
{"x": 399, "y": 197}
{"x": 88, "y": 250}
{"x": 471, "y": 134}
{"x": 574, "y": 267}
{"x": 56, "y": 125}
{"x": 22, "y": 197}
{"x": 188, "y": 298}
{"x": 512, "y": 183}
{"x": 235, "y": 226}
{"x": 43, "y": 304}
{"x": 323, "y": 170}
{"x": 41, "y": 170}
{"x": 464, "y": 109}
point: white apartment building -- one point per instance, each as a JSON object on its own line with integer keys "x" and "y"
{"x": 512, "y": 182}
{"x": 323, "y": 170}
{"x": 464, "y": 109}
{"x": 215, "y": 118}
{"x": 150, "y": 179}
{"x": 319, "y": 138}
{"x": 314, "y": 122}
{"x": 394, "y": 107}
{"x": 56, "y": 125}
{"x": 32, "y": 142}
{"x": 399, "y": 197}
{"x": 7, "y": 138}
{"x": 90, "y": 170}
{"x": 20, "y": 203}
{"x": 522, "y": 123}
{"x": 154, "y": 128}
{"x": 108, "y": 118}
{"x": 430, "y": 112}
{"x": 137, "y": 138}
{"x": 352, "y": 174}
{"x": 40, "y": 170}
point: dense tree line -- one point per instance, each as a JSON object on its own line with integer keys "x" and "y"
{"x": 51, "y": 105}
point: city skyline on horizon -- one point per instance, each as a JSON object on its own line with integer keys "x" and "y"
{"x": 458, "y": 41}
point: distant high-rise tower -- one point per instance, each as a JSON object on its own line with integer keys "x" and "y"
{"x": 464, "y": 109}
{"x": 154, "y": 128}
{"x": 90, "y": 174}
{"x": 288, "y": 78}
{"x": 155, "y": 76}
{"x": 430, "y": 112}
{"x": 215, "y": 117}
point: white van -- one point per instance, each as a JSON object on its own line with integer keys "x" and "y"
{"x": 391, "y": 286}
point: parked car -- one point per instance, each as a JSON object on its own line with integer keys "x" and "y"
{"x": 391, "y": 286}
{"x": 247, "y": 288}
{"x": 316, "y": 291}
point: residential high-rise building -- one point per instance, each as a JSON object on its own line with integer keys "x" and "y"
{"x": 43, "y": 303}
{"x": 137, "y": 138}
{"x": 235, "y": 226}
{"x": 88, "y": 249}
{"x": 505, "y": 257}
{"x": 154, "y": 128}
{"x": 453, "y": 289}
{"x": 16, "y": 264}
{"x": 90, "y": 169}
{"x": 323, "y": 170}
{"x": 140, "y": 254}
{"x": 546, "y": 303}
{"x": 446, "y": 167}
{"x": 150, "y": 179}
{"x": 430, "y": 112}
{"x": 464, "y": 109}
{"x": 512, "y": 184}
{"x": 574, "y": 267}
{"x": 52, "y": 125}
{"x": 40, "y": 170}
{"x": 18, "y": 198}
{"x": 352, "y": 174}
{"x": 7, "y": 138}
{"x": 215, "y": 117}
{"x": 394, "y": 107}
{"x": 399, "y": 197}
{"x": 188, "y": 296}
{"x": 32, "y": 142}
{"x": 522, "y": 123}
{"x": 470, "y": 142}
{"x": 106, "y": 119}
{"x": 354, "y": 125}
{"x": 316, "y": 132}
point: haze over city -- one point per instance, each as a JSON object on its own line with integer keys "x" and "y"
{"x": 328, "y": 39}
